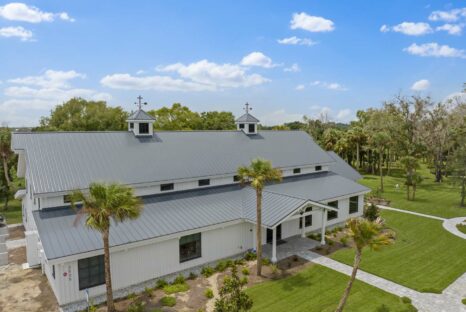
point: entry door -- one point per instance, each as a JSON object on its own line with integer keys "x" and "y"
{"x": 278, "y": 234}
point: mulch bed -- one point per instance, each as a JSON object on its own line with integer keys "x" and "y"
{"x": 17, "y": 256}
{"x": 16, "y": 232}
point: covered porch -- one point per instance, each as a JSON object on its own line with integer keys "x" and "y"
{"x": 288, "y": 247}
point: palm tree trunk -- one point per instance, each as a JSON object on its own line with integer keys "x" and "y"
{"x": 5, "y": 170}
{"x": 259, "y": 230}
{"x": 108, "y": 276}
{"x": 357, "y": 261}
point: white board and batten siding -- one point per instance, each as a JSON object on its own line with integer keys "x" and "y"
{"x": 139, "y": 264}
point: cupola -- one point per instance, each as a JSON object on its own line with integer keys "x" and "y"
{"x": 247, "y": 122}
{"x": 140, "y": 122}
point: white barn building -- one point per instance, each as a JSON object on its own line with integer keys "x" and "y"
{"x": 195, "y": 211}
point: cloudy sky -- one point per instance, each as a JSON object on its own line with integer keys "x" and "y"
{"x": 286, "y": 58}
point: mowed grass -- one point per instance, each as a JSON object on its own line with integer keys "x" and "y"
{"x": 438, "y": 199}
{"x": 13, "y": 214}
{"x": 425, "y": 257}
{"x": 317, "y": 288}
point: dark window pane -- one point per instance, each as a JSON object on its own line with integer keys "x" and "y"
{"x": 131, "y": 125}
{"x": 307, "y": 221}
{"x": 190, "y": 247}
{"x": 296, "y": 170}
{"x": 143, "y": 128}
{"x": 318, "y": 168}
{"x": 354, "y": 204}
{"x": 167, "y": 187}
{"x": 241, "y": 126}
{"x": 67, "y": 199}
{"x": 204, "y": 182}
{"x": 236, "y": 178}
{"x": 252, "y": 128}
{"x": 331, "y": 214}
{"x": 91, "y": 272}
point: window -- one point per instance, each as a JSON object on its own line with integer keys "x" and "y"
{"x": 236, "y": 178}
{"x": 204, "y": 182}
{"x": 241, "y": 126}
{"x": 318, "y": 168}
{"x": 252, "y": 128}
{"x": 91, "y": 272}
{"x": 296, "y": 170}
{"x": 67, "y": 199}
{"x": 131, "y": 125}
{"x": 307, "y": 221}
{"x": 144, "y": 128}
{"x": 167, "y": 187}
{"x": 53, "y": 271}
{"x": 330, "y": 213}
{"x": 354, "y": 204}
{"x": 190, "y": 247}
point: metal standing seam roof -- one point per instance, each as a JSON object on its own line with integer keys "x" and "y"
{"x": 171, "y": 213}
{"x": 341, "y": 167}
{"x": 65, "y": 161}
{"x": 140, "y": 115}
{"x": 247, "y": 118}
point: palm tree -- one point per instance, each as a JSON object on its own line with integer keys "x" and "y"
{"x": 259, "y": 172}
{"x": 364, "y": 233}
{"x": 106, "y": 202}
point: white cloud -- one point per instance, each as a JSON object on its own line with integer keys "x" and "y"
{"x": 435, "y": 50}
{"x": 50, "y": 79}
{"x": 258, "y": 59}
{"x": 297, "y": 41}
{"x": 420, "y": 85}
{"x": 21, "y": 12}
{"x": 311, "y": 23}
{"x": 409, "y": 28}
{"x": 329, "y": 85}
{"x": 300, "y": 87}
{"x": 293, "y": 68}
{"x": 448, "y": 16}
{"x": 198, "y": 76}
{"x": 344, "y": 115}
{"x": 452, "y": 29}
{"x": 279, "y": 117}
{"x": 16, "y": 32}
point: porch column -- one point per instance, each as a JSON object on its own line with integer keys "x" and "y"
{"x": 303, "y": 228}
{"x": 324, "y": 224}
{"x": 274, "y": 245}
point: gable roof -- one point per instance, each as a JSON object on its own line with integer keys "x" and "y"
{"x": 140, "y": 115}
{"x": 341, "y": 167}
{"x": 65, "y": 161}
{"x": 166, "y": 214}
{"x": 247, "y": 118}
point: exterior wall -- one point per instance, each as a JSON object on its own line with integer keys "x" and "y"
{"x": 140, "y": 264}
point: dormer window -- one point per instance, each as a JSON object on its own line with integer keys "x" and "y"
{"x": 143, "y": 128}
{"x": 252, "y": 128}
{"x": 241, "y": 126}
{"x": 247, "y": 122}
{"x": 131, "y": 125}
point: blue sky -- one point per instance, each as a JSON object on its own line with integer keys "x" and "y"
{"x": 286, "y": 58}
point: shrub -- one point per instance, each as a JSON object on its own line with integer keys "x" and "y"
{"x": 148, "y": 291}
{"x": 175, "y": 288}
{"x": 131, "y": 296}
{"x": 464, "y": 301}
{"x": 232, "y": 296}
{"x": 207, "y": 271}
{"x": 136, "y": 307}
{"x": 192, "y": 276}
{"x": 295, "y": 258}
{"x": 239, "y": 262}
{"x": 274, "y": 269}
{"x": 221, "y": 266}
{"x": 209, "y": 293}
{"x": 249, "y": 256}
{"x": 92, "y": 307}
{"x": 230, "y": 263}
{"x": 265, "y": 261}
{"x": 330, "y": 242}
{"x": 244, "y": 280}
{"x": 161, "y": 283}
{"x": 245, "y": 271}
{"x": 179, "y": 280}
{"x": 168, "y": 301}
{"x": 371, "y": 212}
{"x": 344, "y": 241}
{"x": 405, "y": 299}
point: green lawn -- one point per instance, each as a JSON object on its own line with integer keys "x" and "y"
{"x": 439, "y": 199}
{"x": 13, "y": 214}
{"x": 425, "y": 257}
{"x": 319, "y": 289}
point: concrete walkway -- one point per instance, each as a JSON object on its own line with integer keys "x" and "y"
{"x": 448, "y": 224}
{"x": 16, "y": 243}
{"x": 448, "y": 301}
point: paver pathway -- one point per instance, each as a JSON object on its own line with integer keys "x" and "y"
{"x": 448, "y": 301}
{"x": 448, "y": 224}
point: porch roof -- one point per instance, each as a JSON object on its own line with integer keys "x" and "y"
{"x": 177, "y": 212}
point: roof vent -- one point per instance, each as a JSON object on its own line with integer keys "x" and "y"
{"x": 247, "y": 122}
{"x": 140, "y": 122}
